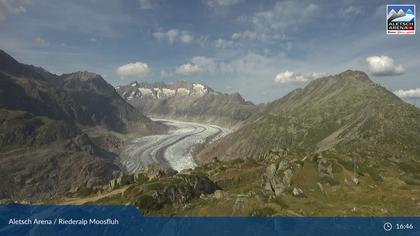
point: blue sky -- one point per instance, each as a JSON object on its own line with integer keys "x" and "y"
{"x": 261, "y": 49}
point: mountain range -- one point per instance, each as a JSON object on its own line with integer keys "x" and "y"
{"x": 342, "y": 145}
{"x": 188, "y": 101}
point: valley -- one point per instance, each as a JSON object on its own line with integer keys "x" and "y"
{"x": 342, "y": 145}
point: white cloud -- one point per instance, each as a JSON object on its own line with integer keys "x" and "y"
{"x": 411, "y": 93}
{"x": 251, "y": 65}
{"x": 186, "y": 37}
{"x": 12, "y": 7}
{"x": 245, "y": 35}
{"x": 189, "y": 69}
{"x": 222, "y": 3}
{"x": 283, "y": 16}
{"x": 273, "y": 24}
{"x": 383, "y": 66}
{"x": 137, "y": 69}
{"x": 170, "y": 35}
{"x": 222, "y": 43}
{"x": 175, "y": 35}
{"x": 290, "y": 77}
{"x": 198, "y": 65}
{"x": 248, "y": 35}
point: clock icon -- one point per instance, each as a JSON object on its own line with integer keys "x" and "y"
{"x": 387, "y": 226}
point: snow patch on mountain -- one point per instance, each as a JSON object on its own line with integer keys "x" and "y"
{"x": 199, "y": 89}
{"x": 146, "y": 92}
{"x": 182, "y": 92}
{"x": 168, "y": 92}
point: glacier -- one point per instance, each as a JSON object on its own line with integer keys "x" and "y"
{"x": 174, "y": 149}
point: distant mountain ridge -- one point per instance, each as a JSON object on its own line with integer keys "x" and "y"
{"x": 188, "y": 101}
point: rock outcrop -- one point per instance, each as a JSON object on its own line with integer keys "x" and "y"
{"x": 175, "y": 190}
{"x": 278, "y": 177}
{"x": 154, "y": 172}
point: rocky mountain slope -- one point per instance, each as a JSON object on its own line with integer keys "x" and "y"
{"x": 82, "y": 97}
{"x": 347, "y": 113}
{"x": 187, "y": 101}
{"x": 43, "y": 150}
{"x": 280, "y": 184}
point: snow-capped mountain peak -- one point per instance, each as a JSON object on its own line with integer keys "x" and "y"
{"x": 162, "y": 90}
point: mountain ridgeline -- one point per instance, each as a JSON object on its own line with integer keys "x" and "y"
{"x": 187, "y": 101}
{"x": 347, "y": 113}
{"x": 43, "y": 150}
